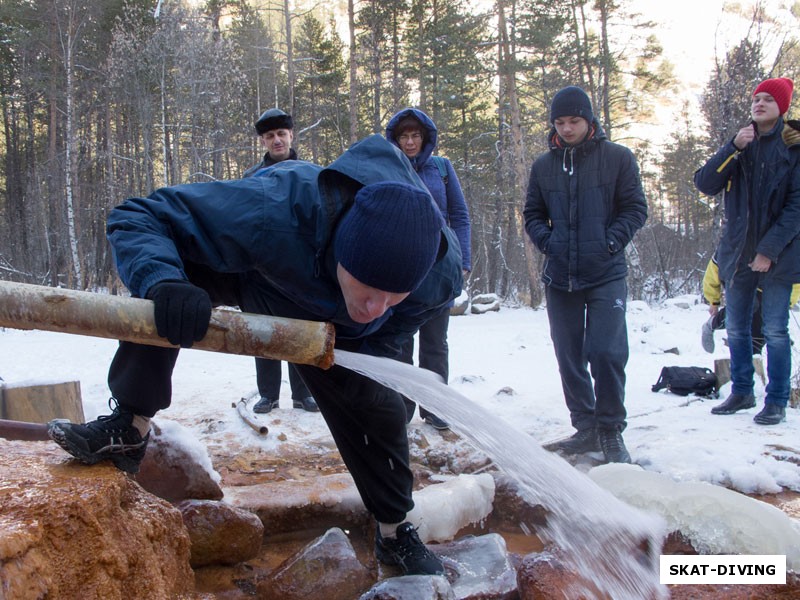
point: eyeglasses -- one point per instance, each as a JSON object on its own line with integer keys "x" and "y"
{"x": 416, "y": 136}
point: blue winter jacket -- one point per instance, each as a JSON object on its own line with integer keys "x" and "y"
{"x": 583, "y": 206}
{"x": 761, "y": 186}
{"x": 280, "y": 223}
{"x": 448, "y": 194}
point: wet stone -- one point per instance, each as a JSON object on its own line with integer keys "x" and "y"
{"x": 327, "y": 568}
{"x": 412, "y": 587}
{"x": 482, "y": 567}
{"x": 220, "y": 534}
{"x": 72, "y": 531}
{"x": 543, "y": 576}
{"x": 172, "y": 472}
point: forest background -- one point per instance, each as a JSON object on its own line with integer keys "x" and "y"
{"x": 107, "y": 99}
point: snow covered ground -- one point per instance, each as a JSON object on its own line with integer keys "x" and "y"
{"x": 503, "y": 361}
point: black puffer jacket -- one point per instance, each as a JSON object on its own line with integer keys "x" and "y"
{"x": 584, "y": 205}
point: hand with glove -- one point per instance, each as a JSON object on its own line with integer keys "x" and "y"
{"x": 182, "y": 311}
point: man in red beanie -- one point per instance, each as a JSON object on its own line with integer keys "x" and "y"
{"x": 759, "y": 247}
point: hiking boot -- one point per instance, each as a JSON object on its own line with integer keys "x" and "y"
{"x": 436, "y": 422}
{"x": 707, "y": 337}
{"x": 771, "y": 414}
{"x": 407, "y": 552}
{"x": 733, "y": 403}
{"x": 613, "y": 447}
{"x": 265, "y": 405}
{"x": 308, "y": 403}
{"x": 111, "y": 437}
{"x": 580, "y": 442}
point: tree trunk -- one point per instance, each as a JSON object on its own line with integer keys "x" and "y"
{"x": 353, "y": 95}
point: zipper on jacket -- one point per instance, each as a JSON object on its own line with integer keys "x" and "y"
{"x": 317, "y": 263}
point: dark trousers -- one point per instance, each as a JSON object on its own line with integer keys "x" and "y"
{"x": 588, "y": 327}
{"x": 433, "y": 354}
{"x": 369, "y": 428}
{"x": 268, "y": 379}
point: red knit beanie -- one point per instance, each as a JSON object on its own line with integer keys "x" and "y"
{"x": 779, "y": 88}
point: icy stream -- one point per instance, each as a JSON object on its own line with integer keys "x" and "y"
{"x": 614, "y": 546}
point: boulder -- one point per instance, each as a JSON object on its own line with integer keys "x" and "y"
{"x": 220, "y": 534}
{"x": 286, "y": 506}
{"x": 72, "y": 531}
{"x": 485, "y": 303}
{"x": 326, "y": 568}
{"x": 419, "y": 587}
{"x": 176, "y": 467}
{"x": 543, "y": 576}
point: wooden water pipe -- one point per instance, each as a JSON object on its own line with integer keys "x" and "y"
{"x": 25, "y": 306}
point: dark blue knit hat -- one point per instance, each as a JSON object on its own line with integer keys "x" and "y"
{"x": 390, "y": 236}
{"x": 571, "y": 101}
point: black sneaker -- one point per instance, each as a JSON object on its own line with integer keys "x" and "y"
{"x": 265, "y": 405}
{"x": 407, "y": 552}
{"x": 771, "y": 414}
{"x": 111, "y": 437}
{"x": 613, "y": 447}
{"x": 733, "y": 403}
{"x": 579, "y": 442}
{"x": 436, "y": 422}
{"x": 308, "y": 403}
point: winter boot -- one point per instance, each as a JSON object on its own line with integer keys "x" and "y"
{"x": 579, "y": 442}
{"x": 308, "y": 404}
{"x": 265, "y": 405}
{"x": 436, "y": 422}
{"x": 771, "y": 414}
{"x": 613, "y": 446}
{"x": 734, "y": 403}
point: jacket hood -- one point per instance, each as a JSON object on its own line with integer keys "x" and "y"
{"x": 431, "y": 139}
{"x": 371, "y": 160}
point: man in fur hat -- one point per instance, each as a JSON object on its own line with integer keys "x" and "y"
{"x": 275, "y": 130}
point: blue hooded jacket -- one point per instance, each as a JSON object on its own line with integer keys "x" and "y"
{"x": 448, "y": 195}
{"x": 280, "y": 223}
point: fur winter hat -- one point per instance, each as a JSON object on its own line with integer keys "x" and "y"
{"x": 779, "y": 88}
{"x": 273, "y": 118}
{"x": 571, "y": 101}
{"x": 390, "y": 236}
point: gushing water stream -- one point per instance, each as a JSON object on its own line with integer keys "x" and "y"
{"x": 610, "y": 544}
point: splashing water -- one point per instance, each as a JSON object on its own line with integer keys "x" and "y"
{"x": 612, "y": 545}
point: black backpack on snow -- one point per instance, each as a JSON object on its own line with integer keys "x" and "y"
{"x": 687, "y": 380}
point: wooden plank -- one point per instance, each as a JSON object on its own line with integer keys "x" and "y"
{"x": 41, "y": 403}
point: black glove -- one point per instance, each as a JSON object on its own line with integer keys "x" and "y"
{"x": 182, "y": 311}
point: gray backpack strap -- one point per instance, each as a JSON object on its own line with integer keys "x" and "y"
{"x": 439, "y": 162}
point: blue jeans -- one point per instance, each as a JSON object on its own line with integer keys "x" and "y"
{"x": 739, "y": 297}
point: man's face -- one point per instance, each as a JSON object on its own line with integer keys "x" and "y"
{"x": 278, "y": 143}
{"x": 365, "y": 303}
{"x": 410, "y": 142}
{"x": 572, "y": 130}
{"x": 765, "y": 111}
